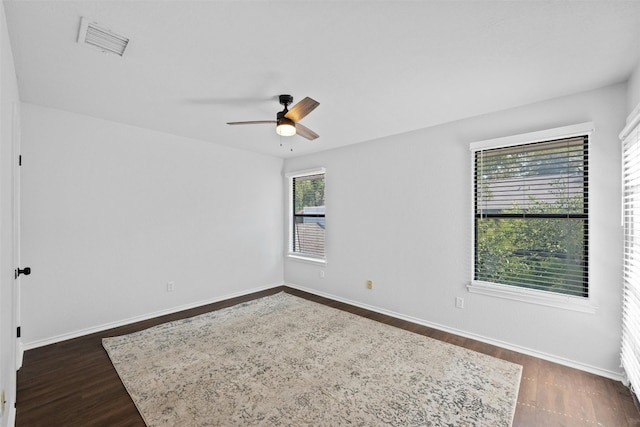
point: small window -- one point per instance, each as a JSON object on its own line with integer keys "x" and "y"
{"x": 307, "y": 220}
{"x": 531, "y": 215}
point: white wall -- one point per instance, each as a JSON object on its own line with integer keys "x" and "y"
{"x": 8, "y": 98}
{"x": 398, "y": 213}
{"x": 111, "y": 213}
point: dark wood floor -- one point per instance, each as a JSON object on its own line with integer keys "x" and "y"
{"x": 73, "y": 383}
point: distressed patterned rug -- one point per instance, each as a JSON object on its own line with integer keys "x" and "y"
{"x": 283, "y": 360}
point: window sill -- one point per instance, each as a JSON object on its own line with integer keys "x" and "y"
{"x": 549, "y": 299}
{"x": 309, "y": 260}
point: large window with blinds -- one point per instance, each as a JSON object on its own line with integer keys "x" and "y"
{"x": 307, "y": 220}
{"x": 630, "y": 353}
{"x": 531, "y": 213}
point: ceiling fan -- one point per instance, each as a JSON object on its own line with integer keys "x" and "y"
{"x": 287, "y": 120}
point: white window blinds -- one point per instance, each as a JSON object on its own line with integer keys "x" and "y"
{"x": 630, "y": 353}
{"x": 531, "y": 216}
{"x": 308, "y": 215}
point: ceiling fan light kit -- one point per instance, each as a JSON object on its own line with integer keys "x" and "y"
{"x": 287, "y": 120}
{"x": 286, "y": 127}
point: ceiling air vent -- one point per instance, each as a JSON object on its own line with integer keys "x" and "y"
{"x": 101, "y": 38}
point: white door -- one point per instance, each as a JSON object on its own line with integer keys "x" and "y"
{"x": 15, "y": 135}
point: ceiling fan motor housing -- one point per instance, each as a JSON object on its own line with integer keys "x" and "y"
{"x": 286, "y": 100}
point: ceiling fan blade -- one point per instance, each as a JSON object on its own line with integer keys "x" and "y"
{"x": 306, "y": 132}
{"x": 230, "y": 101}
{"x": 301, "y": 109}
{"x": 253, "y": 122}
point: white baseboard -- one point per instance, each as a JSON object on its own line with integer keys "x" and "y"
{"x": 617, "y": 376}
{"x": 104, "y": 327}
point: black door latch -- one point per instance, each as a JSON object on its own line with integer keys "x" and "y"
{"x": 26, "y": 271}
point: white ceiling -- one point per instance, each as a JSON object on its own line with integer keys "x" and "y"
{"x": 377, "y": 68}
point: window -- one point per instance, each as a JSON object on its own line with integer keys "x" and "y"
{"x": 531, "y": 213}
{"x": 307, "y": 220}
{"x": 630, "y": 352}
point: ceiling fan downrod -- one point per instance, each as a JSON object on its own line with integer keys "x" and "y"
{"x": 286, "y": 100}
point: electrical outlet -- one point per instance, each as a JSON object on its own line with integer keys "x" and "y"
{"x": 171, "y": 286}
{"x": 459, "y": 302}
{"x": 322, "y": 274}
{"x": 369, "y": 284}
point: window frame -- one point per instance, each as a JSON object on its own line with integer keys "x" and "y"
{"x": 291, "y": 254}
{"x": 512, "y": 292}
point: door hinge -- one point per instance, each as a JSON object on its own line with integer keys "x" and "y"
{"x": 18, "y": 332}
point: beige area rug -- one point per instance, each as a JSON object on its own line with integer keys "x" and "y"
{"x": 285, "y": 361}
